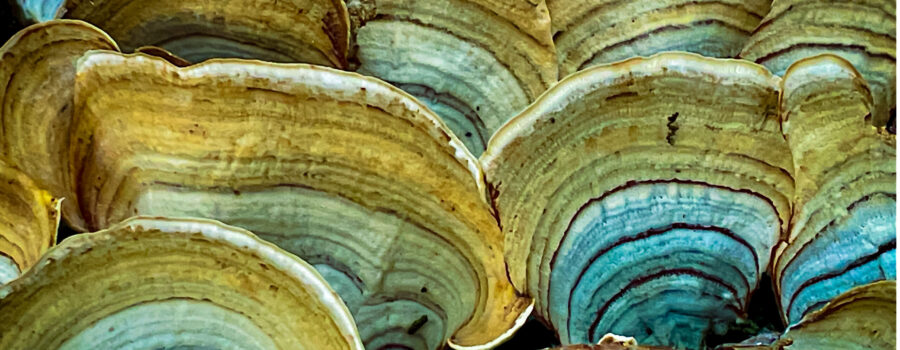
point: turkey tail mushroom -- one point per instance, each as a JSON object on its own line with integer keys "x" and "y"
{"x": 37, "y": 83}
{"x": 644, "y": 197}
{"x": 843, "y": 231}
{"x": 588, "y": 33}
{"x": 476, "y": 63}
{"x": 861, "y": 318}
{"x": 307, "y": 31}
{"x": 862, "y": 32}
{"x": 157, "y": 283}
{"x": 29, "y": 218}
{"x": 349, "y": 173}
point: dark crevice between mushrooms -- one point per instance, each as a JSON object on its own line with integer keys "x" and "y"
{"x": 892, "y": 121}
{"x": 762, "y": 322}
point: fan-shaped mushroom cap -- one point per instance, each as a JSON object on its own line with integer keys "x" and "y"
{"x": 629, "y": 189}
{"x": 593, "y": 32}
{"x": 861, "y": 318}
{"x": 476, "y": 63}
{"x": 29, "y": 217}
{"x": 37, "y": 81}
{"x": 347, "y": 172}
{"x": 151, "y": 283}
{"x": 308, "y": 31}
{"x": 862, "y": 32}
{"x": 843, "y": 230}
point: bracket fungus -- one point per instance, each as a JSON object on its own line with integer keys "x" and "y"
{"x": 861, "y": 318}
{"x": 307, "y": 31}
{"x": 644, "y": 197}
{"x": 348, "y": 172}
{"x": 862, "y": 32}
{"x": 29, "y": 218}
{"x": 37, "y": 80}
{"x": 588, "y": 33}
{"x": 159, "y": 283}
{"x": 843, "y": 230}
{"x": 476, "y": 63}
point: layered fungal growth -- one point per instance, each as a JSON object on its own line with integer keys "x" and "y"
{"x": 843, "y": 231}
{"x": 644, "y": 197}
{"x": 349, "y": 173}
{"x": 156, "y": 283}
{"x": 308, "y": 31}
{"x": 37, "y": 80}
{"x": 861, "y": 318}
{"x": 29, "y": 217}
{"x": 593, "y": 32}
{"x": 476, "y": 63}
{"x": 863, "y": 32}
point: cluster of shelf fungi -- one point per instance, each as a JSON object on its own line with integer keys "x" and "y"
{"x": 398, "y": 174}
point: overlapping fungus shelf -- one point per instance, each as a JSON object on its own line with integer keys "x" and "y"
{"x": 172, "y": 284}
{"x": 644, "y": 197}
{"x": 37, "y": 78}
{"x": 29, "y": 217}
{"x": 476, "y": 63}
{"x": 348, "y": 172}
{"x": 588, "y": 33}
{"x": 863, "y": 32}
{"x": 843, "y": 231}
{"x": 308, "y": 31}
{"x": 861, "y": 318}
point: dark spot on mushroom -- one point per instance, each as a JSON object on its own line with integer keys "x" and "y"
{"x": 236, "y": 192}
{"x": 670, "y": 138}
{"x": 468, "y": 134}
{"x": 552, "y": 120}
{"x": 424, "y": 290}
